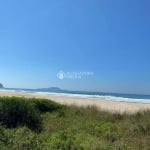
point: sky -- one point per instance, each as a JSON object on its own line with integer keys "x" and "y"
{"x": 110, "y": 39}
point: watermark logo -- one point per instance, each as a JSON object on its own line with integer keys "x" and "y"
{"x": 73, "y": 75}
{"x": 60, "y": 75}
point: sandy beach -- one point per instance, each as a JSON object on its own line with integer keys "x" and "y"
{"x": 112, "y": 106}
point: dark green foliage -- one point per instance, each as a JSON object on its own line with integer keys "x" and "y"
{"x": 69, "y": 127}
{"x": 3, "y": 136}
{"x": 44, "y": 105}
{"x": 16, "y": 112}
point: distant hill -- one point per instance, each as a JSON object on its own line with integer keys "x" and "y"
{"x": 1, "y": 85}
{"x": 50, "y": 89}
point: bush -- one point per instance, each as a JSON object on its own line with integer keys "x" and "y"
{"x": 44, "y": 105}
{"x": 61, "y": 141}
{"x": 18, "y": 139}
{"x": 107, "y": 130}
{"x": 18, "y": 111}
{"x": 69, "y": 127}
{"x": 3, "y": 137}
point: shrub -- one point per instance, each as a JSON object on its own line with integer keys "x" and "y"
{"x": 61, "y": 141}
{"x": 44, "y": 105}
{"x": 17, "y": 111}
{"x": 107, "y": 130}
{"x": 3, "y": 137}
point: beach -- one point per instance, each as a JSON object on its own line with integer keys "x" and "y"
{"x": 106, "y": 105}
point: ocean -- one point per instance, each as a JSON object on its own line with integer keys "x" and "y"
{"x": 134, "y": 98}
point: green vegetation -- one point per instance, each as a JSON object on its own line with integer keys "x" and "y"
{"x": 39, "y": 124}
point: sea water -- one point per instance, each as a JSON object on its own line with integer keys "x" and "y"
{"x": 135, "y": 98}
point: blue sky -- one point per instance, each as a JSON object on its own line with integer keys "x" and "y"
{"x": 109, "y": 38}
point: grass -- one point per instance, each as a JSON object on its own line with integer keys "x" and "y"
{"x": 41, "y": 124}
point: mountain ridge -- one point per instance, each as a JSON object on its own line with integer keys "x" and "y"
{"x": 1, "y": 85}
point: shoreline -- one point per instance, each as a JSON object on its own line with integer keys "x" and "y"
{"x": 106, "y": 105}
